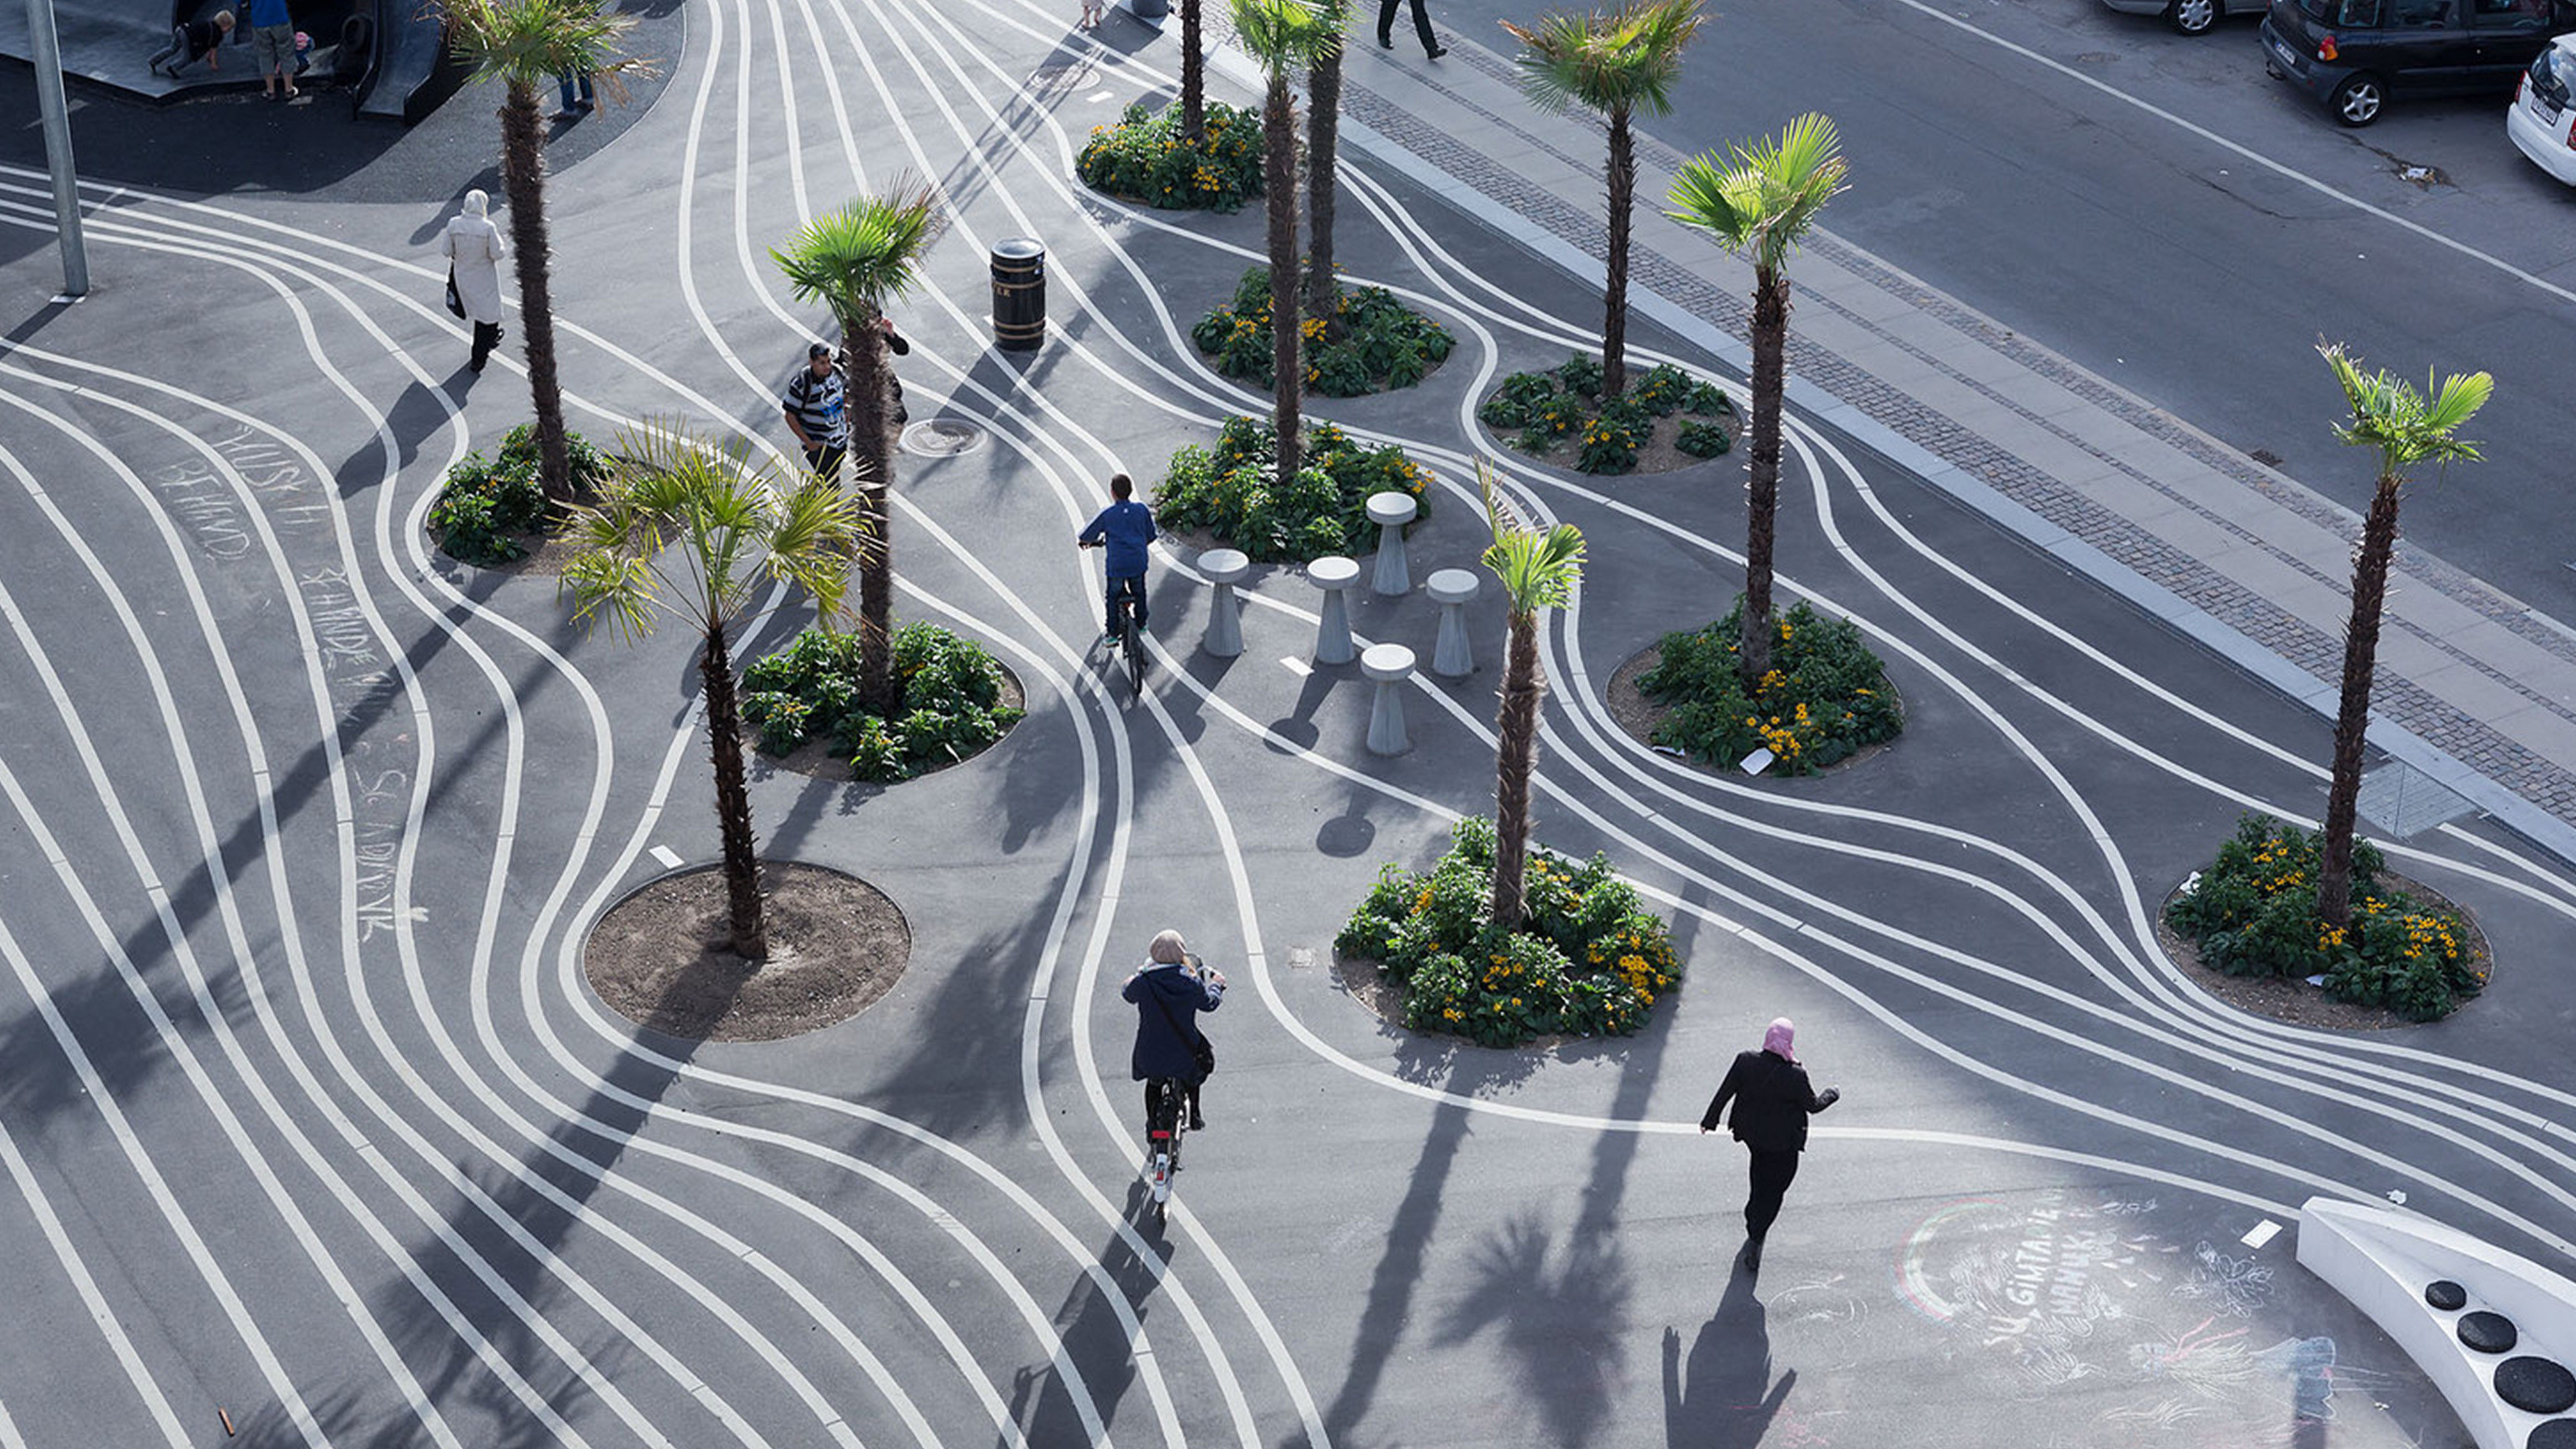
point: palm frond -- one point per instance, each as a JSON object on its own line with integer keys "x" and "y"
{"x": 858, "y": 258}
{"x": 1536, "y": 569}
{"x": 1613, "y": 62}
{"x": 531, "y": 41}
{"x": 1286, "y": 36}
{"x": 1764, "y": 199}
{"x": 2404, "y": 426}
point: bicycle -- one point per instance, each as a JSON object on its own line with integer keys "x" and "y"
{"x": 1130, "y": 635}
{"x": 1166, "y": 1123}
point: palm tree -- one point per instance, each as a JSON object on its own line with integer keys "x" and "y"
{"x": 1614, "y": 63}
{"x": 737, "y": 527}
{"x": 855, "y": 260}
{"x": 524, "y": 44}
{"x": 1284, "y": 37}
{"x": 1193, "y": 77}
{"x": 1323, "y": 145}
{"x": 1537, "y": 571}
{"x": 1760, "y": 203}
{"x": 2394, "y": 420}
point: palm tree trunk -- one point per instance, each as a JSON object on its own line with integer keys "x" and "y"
{"x": 733, "y": 798}
{"x": 1323, "y": 140}
{"x": 1279, "y": 173}
{"x": 1193, "y": 76}
{"x": 2352, "y": 716}
{"x": 1762, "y": 482}
{"x": 1515, "y": 759}
{"x": 1614, "y": 291}
{"x": 523, "y": 177}
{"x": 866, "y": 383}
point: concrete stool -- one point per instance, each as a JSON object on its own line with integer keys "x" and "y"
{"x": 1224, "y": 567}
{"x": 1390, "y": 665}
{"x": 1334, "y": 575}
{"x": 1451, "y": 589}
{"x": 1391, "y": 511}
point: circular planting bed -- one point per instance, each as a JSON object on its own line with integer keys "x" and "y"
{"x": 2290, "y": 998}
{"x": 661, "y": 957}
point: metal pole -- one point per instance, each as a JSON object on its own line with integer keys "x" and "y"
{"x": 58, "y": 145}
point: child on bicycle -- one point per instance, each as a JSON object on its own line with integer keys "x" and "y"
{"x": 1127, "y": 526}
{"x": 1169, "y": 991}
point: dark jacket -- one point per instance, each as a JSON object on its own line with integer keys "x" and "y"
{"x": 1168, "y": 1000}
{"x": 1772, "y": 1102}
{"x": 1128, "y": 526}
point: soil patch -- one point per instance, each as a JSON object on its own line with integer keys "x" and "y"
{"x": 2290, "y": 998}
{"x": 659, "y": 957}
{"x": 1636, "y": 715}
{"x": 814, "y": 758}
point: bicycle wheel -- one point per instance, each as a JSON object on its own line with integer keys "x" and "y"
{"x": 1133, "y": 640}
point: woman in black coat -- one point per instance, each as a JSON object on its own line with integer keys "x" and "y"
{"x": 1169, "y": 992}
{"x": 1772, "y": 1103}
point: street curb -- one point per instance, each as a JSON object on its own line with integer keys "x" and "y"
{"x": 1820, "y": 407}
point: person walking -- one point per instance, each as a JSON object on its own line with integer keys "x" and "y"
{"x": 1169, "y": 991}
{"x": 190, "y": 41}
{"x": 575, "y": 106}
{"x": 1127, "y": 526}
{"x": 272, "y": 47}
{"x": 1772, "y": 1103}
{"x": 817, "y": 406}
{"x": 1431, "y": 45}
{"x": 474, "y": 251}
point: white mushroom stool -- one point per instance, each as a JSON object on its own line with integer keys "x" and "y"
{"x": 1451, "y": 589}
{"x": 1224, "y": 567}
{"x": 1334, "y": 575}
{"x": 1390, "y": 665}
{"x": 1391, "y": 511}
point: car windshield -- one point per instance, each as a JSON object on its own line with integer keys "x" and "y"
{"x": 2344, "y": 14}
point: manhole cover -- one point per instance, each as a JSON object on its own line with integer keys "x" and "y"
{"x": 942, "y": 438}
{"x": 2404, "y": 801}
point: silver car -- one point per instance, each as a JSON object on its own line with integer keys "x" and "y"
{"x": 2191, "y": 17}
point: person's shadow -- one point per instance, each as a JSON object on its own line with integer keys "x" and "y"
{"x": 1724, "y": 1398}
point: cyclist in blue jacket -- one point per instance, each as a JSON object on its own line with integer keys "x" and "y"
{"x": 1169, "y": 992}
{"x": 1127, "y": 526}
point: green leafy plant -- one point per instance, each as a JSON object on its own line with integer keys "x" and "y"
{"x": 2253, "y": 912}
{"x": 487, "y": 509}
{"x": 1232, "y": 490}
{"x": 1384, "y": 344}
{"x": 1589, "y": 961}
{"x": 1825, "y": 695}
{"x": 1708, "y": 400}
{"x": 949, "y": 693}
{"x": 1702, "y": 439}
{"x": 1512, "y": 404}
{"x": 1610, "y": 445}
{"x": 1147, "y": 158}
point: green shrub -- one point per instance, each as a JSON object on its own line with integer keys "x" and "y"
{"x": 485, "y": 509}
{"x": 1610, "y": 444}
{"x": 1384, "y": 344}
{"x": 1826, "y": 694}
{"x": 1513, "y": 403}
{"x": 1590, "y": 962}
{"x": 1661, "y": 390}
{"x": 1702, "y": 440}
{"x": 1233, "y": 492}
{"x": 948, "y": 693}
{"x": 1145, "y": 158}
{"x": 2253, "y": 912}
{"x": 1708, "y": 400}
{"x": 1581, "y": 373}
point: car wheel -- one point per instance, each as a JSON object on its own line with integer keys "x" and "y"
{"x": 2357, "y": 101}
{"x": 2192, "y": 17}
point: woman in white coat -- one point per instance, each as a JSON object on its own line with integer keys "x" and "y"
{"x": 474, "y": 249}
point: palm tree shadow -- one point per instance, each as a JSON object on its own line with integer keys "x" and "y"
{"x": 1724, "y": 1398}
{"x": 1095, "y": 1349}
{"x": 1563, "y": 1325}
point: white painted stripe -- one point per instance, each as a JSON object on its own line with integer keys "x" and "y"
{"x": 1295, "y": 665}
{"x": 669, "y": 858}
{"x": 2261, "y": 1233}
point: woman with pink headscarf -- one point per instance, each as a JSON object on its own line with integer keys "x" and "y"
{"x": 1772, "y": 1104}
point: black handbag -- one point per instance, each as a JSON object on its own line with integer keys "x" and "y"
{"x": 1202, "y": 1052}
{"x": 455, "y": 303}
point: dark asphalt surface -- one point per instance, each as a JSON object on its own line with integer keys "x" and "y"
{"x": 2159, "y": 260}
{"x": 1441, "y": 1262}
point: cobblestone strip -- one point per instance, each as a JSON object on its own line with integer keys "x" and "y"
{"x": 2471, "y": 740}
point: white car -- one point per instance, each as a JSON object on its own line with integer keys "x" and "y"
{"x": 2543, "y": 107}
{"x": 2191, "y": 17}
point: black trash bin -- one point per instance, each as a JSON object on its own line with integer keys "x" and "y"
{"x": 1019, "y": 294}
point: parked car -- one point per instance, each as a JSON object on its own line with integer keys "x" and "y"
{"x": 2191, "y": 17}
{"x": 2542, "y": 118}
{"x": 2358, "y": 55}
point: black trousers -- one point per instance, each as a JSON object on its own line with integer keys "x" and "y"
{"x": 487, "y": 335}
{"x": 826, "y": 462}
{"x": 1421, "y": 23}
{"x": 1126, "y": 588}
{"x": 1772, "y": 1174}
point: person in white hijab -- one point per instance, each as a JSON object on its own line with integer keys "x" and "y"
{"x": 474, "y": 251}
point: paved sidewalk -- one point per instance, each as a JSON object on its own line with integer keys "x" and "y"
{"x": 2474, "y": 689}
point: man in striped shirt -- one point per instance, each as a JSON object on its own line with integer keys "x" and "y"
{"x": 818, "y": 413}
